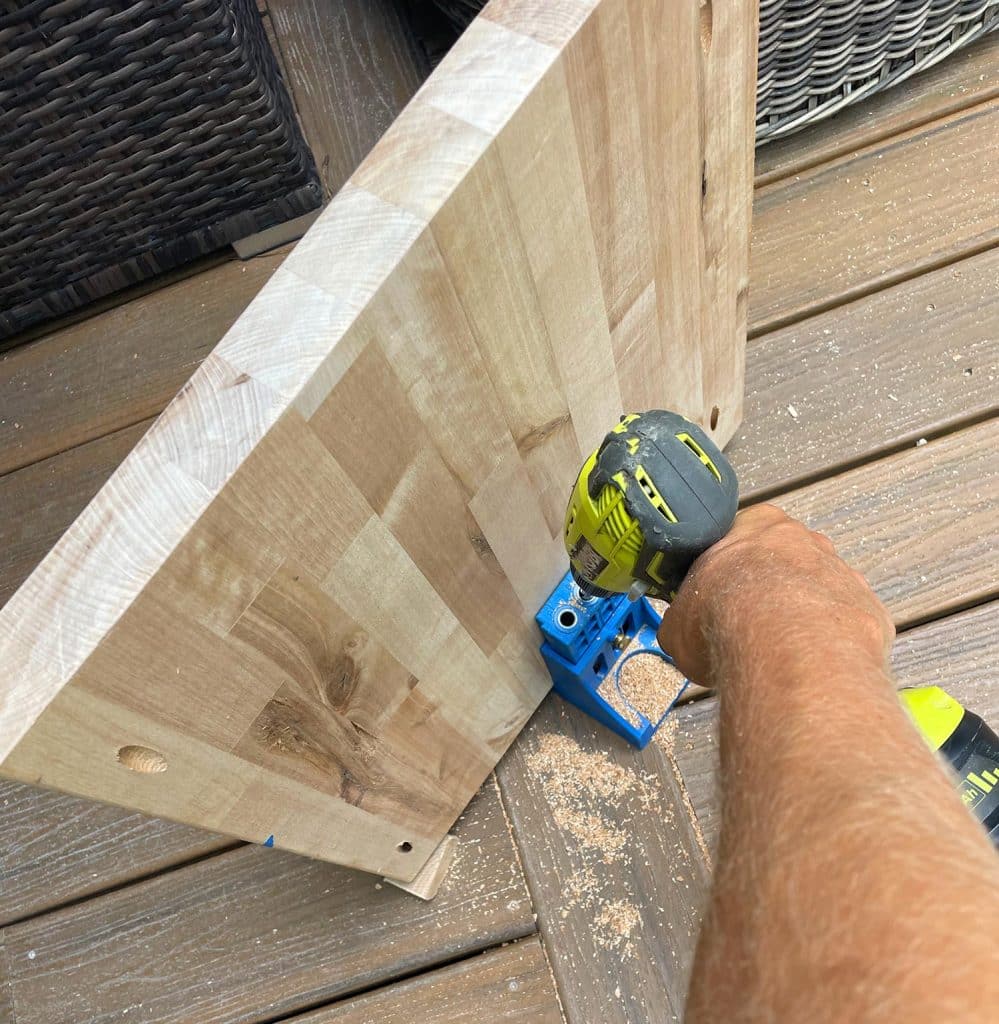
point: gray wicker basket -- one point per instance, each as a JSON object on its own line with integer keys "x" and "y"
{"x": 818, "y": 56}
{"x": 135, "y": 135}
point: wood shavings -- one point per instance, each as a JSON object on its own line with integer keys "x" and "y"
{"x": 593, "y": 799}
{"x": 614, "y": 924}
{"x": 648, "y": 685}
{"x": 566, "y": 768}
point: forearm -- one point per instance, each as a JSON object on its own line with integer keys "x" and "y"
{"x": 850, "y": 884}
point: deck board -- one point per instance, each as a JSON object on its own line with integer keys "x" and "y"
{"x": 121, "y": 366}
{"x": 59, "y": 848}
{"x": 959, "y": 653}
{"x": 964, "y": 79}
{"x": 616, "y": 870}
{"x": 510, "y": 985}
{"x": 41, "y": 500}
{"x": 853, "y": 225}
{"x": 920, "y": 525}
{"x": 878, "y": 374}
{"x": 254, "y": 934}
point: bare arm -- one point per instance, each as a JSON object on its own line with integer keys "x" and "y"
{"x": 851, "y": 883}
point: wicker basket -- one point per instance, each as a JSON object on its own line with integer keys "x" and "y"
{"x": 817, "y": 56}
{"x": 135, "y": 136}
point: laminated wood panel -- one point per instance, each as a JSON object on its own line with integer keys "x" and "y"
{"x": 302, "y": 607}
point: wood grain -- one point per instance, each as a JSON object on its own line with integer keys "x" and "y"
{"x": 120, "y": 366}
{"x": 304, "y": 596}
{"x": 886, "y": 213}
{"x": 616, "y": 871}
{"x": 959, "y": 653}
{"x": 880, "y": 373}
{"x": 256, "y": 934}
{"x": 58, "y": 848}
{"x": 512, "y": 985}
{"x": 964, "y": 79}
{"x": 876, "y": 374}
{"x": 351, "y": 67}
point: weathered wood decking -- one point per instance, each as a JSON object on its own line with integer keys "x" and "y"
{"x": 874, "y": 316}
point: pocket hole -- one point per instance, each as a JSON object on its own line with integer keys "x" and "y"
{"x": 707, "y": 17}
{"x": 405, "y": 847}
{"x": 715, "y": 413}
{"x": 144, "y": 760}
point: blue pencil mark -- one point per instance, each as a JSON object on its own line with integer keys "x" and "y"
{"x": 269, "y": 841}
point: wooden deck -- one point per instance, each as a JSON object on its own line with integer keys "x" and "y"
{"x": 583, "y": 865}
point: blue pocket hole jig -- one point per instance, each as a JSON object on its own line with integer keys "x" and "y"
{"x": 584, "y": 638}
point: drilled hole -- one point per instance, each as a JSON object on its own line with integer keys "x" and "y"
{"x": 144, "y": 760}
{"x": 405, "y": 847}
{"x": 707, "y": 16}
{"x": 567, "y": 618}
{"x": 715, "y": 413}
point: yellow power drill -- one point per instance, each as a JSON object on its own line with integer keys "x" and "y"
{"x": 655, "y": 495}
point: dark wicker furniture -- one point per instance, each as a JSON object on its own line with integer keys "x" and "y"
{"x": 135, "y": 136}
{"x": 817, "y": 56}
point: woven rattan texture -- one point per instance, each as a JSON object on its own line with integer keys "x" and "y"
{"x": 817, "y": 56}
{"x": 135, "y": 136}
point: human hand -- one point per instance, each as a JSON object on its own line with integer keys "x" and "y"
{"x": 771, "y": 588}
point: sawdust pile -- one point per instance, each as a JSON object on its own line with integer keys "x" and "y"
{"x": 647, "y": 685}
{"x": 616, "y": 921}
{"x": 593, "y": 800}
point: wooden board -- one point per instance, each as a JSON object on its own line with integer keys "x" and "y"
{"x": 512, "y": 985}
{"x": 959, "y": 653}
{"x": 909, "y": 362}
{"x": 876, "y": 374}
{"x": 58, "y": 848}
{"x": 96, "y": 385}
{"x": 428, "y": 881}
{"x": 256, "y": 934}
{"x": 616, "y": 869}
{"x": 963, "y": 80}
{"x": 802, "y": 366}
{"x": 301, "y": 608}
{"x": 882, "y": 215}
{"x": 351, "y": 66}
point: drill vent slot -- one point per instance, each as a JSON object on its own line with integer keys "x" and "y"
{"x": 655, "y": 498}
{"x": 570, "y": 521}
{"x": 702, "y": 456}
